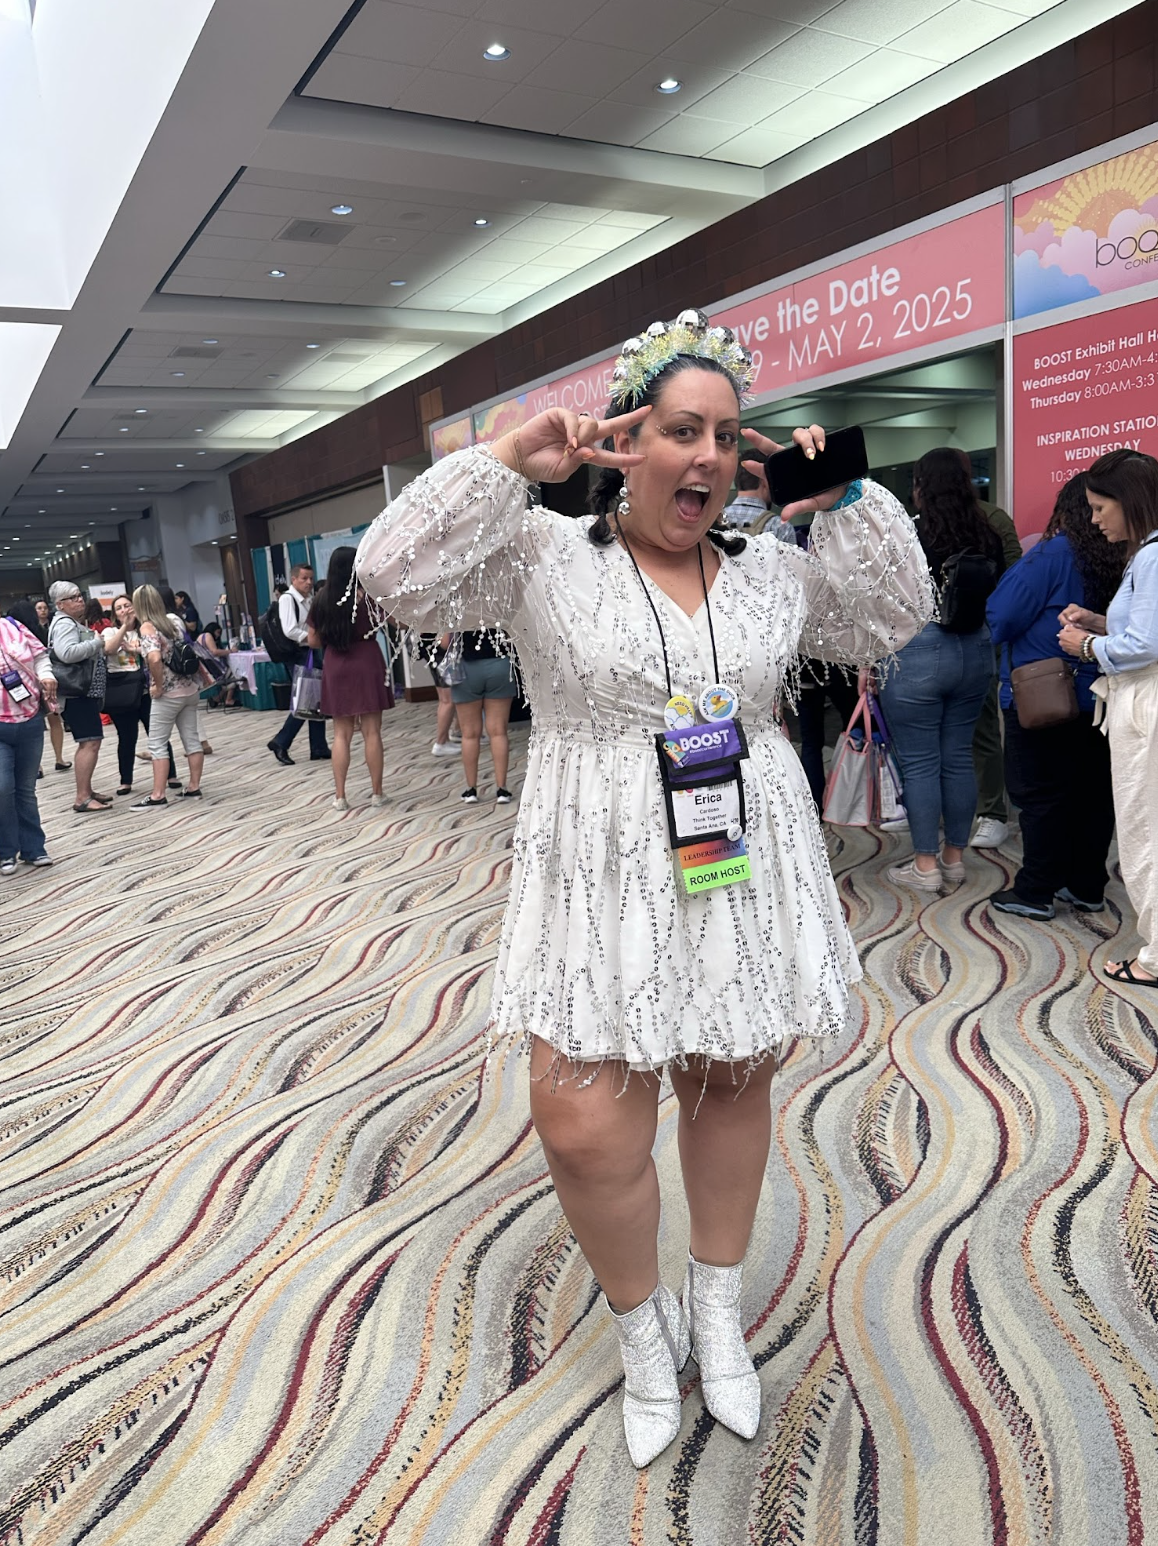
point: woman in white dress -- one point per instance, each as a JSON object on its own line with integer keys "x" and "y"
{"x": 612, "y": 967}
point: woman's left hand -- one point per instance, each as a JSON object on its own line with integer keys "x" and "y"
{"x": 155, "y": 691}
{"x": 1070, "y": 639}
{"x": 811, "y": 441}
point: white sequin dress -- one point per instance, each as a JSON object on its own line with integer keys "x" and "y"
{"x": 602, "y": 953}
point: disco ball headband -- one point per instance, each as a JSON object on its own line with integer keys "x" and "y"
{"x": 691, "y": 333}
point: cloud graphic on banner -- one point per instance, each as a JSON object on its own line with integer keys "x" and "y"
{"x": 1037, "y": 240}
{"x": 1038, "y": 287}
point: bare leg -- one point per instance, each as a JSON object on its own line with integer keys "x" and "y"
{"x": 83, "y": 764}
{"x": 56, "y": 736}
{"x": 196, "y": 761}
{"x": 372, "y": 746}
{"x": 470, "y": 716}
{"x": 340, "y": 752}
{"x": 598, "y": 1144}
{"x": 160, "y": 774}
{"x": 445, "y": 715}
{"x": 723, "y": 1153}
{"x": 498, "y": 713}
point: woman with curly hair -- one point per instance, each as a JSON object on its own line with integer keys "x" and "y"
{"x": 1059, "y": 774}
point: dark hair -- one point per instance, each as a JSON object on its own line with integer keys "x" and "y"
{"x": 952, "y": 520}
{"x": 746, "y": 480}
{"x": 167, "y": 596}
{"x": 182, "y": 595}
{"x": 330, "y": 617}
{"x": 1130, "y": 477}
{"x": 25, "y": 612}
{"x": 214, "y": 629}
{"x": 1099, "y": 563}
{"x": 94, "y": 612}
{"x": 301, "y": 569}
{"x": 605, "y": 495}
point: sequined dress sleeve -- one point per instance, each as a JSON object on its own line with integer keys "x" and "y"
{"x": 866, "y": 584}
{"x": 455, "y": 549}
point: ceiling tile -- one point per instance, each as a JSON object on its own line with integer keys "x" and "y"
{"x": 452, "y": 96}
{"x": 878, "y": 21}
{"x": 811, "y": 57}
{"x": 403, "y": 34}
{"x": 229, "y": 222}
{"x": 965, "y": 26}
{"x": 194, "y": 267}
{"x": 581, "y": 212}
{"x": 730, "y": 40}
{"x": 517, "y": 251}
{"x": 538, "y": 111}
{"x": 802, "y": 12}
{"x": 1025, "y": 7}
{"x": 814, "y": 113}
{"x": 255, "y": 199}
{"x": 453, "y": 7}
{"x": 756, "y": 147}
{"x": 347, "y": 78}
{"x": 632, "y": 219}
{"x": 619, "y": 123}
{"x": 744, "y": 100}
{"x": 687, "y": 136}
{"x": 886, "y": 74}
{"x": 651, "y": 26}
{"x": 593, "y": 68}
{"x": 698, "y": 80}
{"x": 463, "y": 54}
{"x": 557, "y": 16}
{"x": 211, "y": 245}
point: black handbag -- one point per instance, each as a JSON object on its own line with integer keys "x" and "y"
{"x": 124, "y": 691}
{"x": 73, "y": 677}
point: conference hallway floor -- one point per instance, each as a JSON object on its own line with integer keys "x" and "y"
{"x": 282, "y": 1263}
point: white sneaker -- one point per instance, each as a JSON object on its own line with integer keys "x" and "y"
{"x": 443, "y": 749}
{"x": 990, "y": 833}
{"x": 377, "y": 801}
{"x": 340, "y": 803}
{"x": 7, "y": 866}
{"x": 896, "y": 824}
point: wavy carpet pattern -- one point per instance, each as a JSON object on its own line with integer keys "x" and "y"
{"x": 280, "y": 1265}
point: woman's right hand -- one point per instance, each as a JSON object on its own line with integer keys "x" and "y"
{"x": 1082, "y": 617}
{"x": 554, "y": 443}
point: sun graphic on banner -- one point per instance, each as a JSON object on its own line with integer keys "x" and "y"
{"x": 1091, "y": 198}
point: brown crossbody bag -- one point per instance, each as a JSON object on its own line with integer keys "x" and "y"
{"x": 1044, "y": 693}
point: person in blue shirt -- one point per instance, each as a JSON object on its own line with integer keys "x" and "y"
{"x": 1059, "y": 775}
{"x": 1122, "y": 489}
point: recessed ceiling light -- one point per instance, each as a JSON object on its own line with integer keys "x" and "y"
{"x": 198, "y": 431}
{"x": 203, "y": 453}
{"x": 495, "y": 51}
{"x": 59, "y": 545}
{"x": 16, "y": 539}
{"x": 177, "y": 372}
{"x": 397, "y": 283}
{"x": 342, "y": 209}
{"x": 209, "y": 340}
{"x": 482, "y": 221}
{"x": 73, "y": 535}
{"x": 85, "y": 467}
{"x": 124, "y": 429}
{"x": 313, "y": 346}
{"x": 140, "y": 410}
{"x": 100, "y": 453}
{"x": 140, "y": 488}
{"x": 60, "y": 491}
{"x": 271, "y": 375}
{"x": 112, "y": 511}
{"x": 180, "y": 464}
{"x": 277, "y": 273}
{"x": 669, "y": 86}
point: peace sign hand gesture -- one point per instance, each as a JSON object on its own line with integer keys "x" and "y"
{"x": 550, "y": 446}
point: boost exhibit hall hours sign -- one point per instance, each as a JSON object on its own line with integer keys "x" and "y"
{"x": 1080, "y": 389}
{"x": 923, "y": 290}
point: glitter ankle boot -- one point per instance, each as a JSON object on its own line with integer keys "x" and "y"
{"x": 654, "y": 1343}
{"x": 730, "y": 1385}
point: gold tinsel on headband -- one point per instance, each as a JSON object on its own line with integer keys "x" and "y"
{"x": 691, "y": 333}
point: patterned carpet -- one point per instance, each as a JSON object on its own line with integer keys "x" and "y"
{"x": 280, "y": 1266}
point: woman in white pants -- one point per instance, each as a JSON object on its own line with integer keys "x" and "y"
{"x": 173, "y": 698}
{"x": 1122, "y": 488}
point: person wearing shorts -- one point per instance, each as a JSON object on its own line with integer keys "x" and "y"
{"x": 486, "y": 690}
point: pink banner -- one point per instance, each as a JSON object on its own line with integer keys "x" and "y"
{"x": 1080, "y": 389}
{"x": 926, "y": 289}
{"x": 450, "y": 437}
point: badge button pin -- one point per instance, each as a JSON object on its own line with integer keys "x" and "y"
{"x": 679, "y": 712}
{"x": 718, "y": 702}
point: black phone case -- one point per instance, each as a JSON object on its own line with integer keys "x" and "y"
{"x": 791, "y": 476}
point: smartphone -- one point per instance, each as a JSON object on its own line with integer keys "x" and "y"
{"x": 791, "y": 476}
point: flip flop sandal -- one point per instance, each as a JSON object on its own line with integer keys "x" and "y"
{"x": 89, "y": 807}
{"x": 1124, "y": 974}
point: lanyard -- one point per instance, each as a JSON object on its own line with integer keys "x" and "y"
{"x": 655, "y": 612}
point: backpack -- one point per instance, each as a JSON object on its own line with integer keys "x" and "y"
{"x": 967, "y": 582}
{"x": 280, "y": 649}
{"x": 183, "y": 658}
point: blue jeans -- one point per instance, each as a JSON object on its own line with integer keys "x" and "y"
{"x": 931, "y": 701}
{"x": 20, "y": 748}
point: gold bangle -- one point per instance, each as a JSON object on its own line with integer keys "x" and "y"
{"x": 519, "y": 458}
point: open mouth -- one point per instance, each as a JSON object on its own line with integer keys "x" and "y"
{"x": 691, "y": 499}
